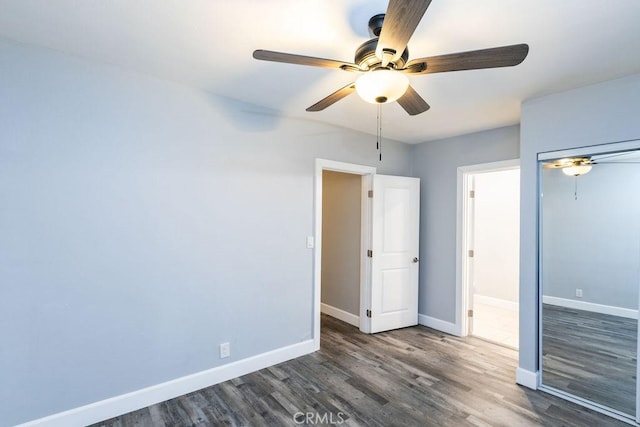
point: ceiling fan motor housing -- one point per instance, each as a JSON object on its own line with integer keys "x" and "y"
{"x": 366, "y": 57}
{"x": 375, "y": 25}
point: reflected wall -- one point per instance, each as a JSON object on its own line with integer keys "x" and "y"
{"x": 590, "y": 277}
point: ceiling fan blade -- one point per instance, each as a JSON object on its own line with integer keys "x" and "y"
{"x": 609, "y": 156}
{"x": 613, "y": 162}
{"x": 504, "y": 56}
{"x": 400, "y": 21}
{"x": 412, "y": 102}
{"x": 333, "y": 98}
{"x": 290, "y": 58}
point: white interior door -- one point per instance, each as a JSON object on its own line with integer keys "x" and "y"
{"x": 394, "y": 262}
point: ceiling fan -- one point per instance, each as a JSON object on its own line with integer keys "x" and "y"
{"x": 576, "y": 166}
{"x": 383, "y": 61}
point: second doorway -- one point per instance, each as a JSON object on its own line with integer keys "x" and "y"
{"x": 492, "y": 223}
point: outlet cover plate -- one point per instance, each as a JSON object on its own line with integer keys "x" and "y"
{"x": 225, "y": 350}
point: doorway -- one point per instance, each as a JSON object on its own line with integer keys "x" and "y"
{"x": 365, "y": 175}
{"x": 341, "y": 245}
{"x": 388, "y": 249}
{"x": 490, "y": 226}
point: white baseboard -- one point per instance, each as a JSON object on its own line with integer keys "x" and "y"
{"x": 589, "y": 306}
{"x": 496, "y": 302}
{"x": 440, "y": 325}
{"x": 527, "y": 378}
{"x": 109, "y": 408}
{"x": 351, "y": 319}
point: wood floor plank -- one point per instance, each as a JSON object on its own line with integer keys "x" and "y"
{"x": 408, "y": 377}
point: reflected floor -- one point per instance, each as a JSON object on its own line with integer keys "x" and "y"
{"x": 590, "y": 355}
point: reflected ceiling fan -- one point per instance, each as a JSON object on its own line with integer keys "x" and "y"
{"x": 576, "y": 166}
{"x": 383, "y": 61}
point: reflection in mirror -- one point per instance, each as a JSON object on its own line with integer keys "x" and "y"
{"x": 590, "y": 276}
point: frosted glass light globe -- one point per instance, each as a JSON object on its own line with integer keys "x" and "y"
{"x": 576, "y": 170}
{"x": 381, "y": 86}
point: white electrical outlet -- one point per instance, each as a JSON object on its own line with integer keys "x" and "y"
{"x": 579, "y": 293}
{"x": 310, "y": 242}
{"x": 225, "y": 350}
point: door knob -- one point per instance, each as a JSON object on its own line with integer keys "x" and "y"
{"x": 415, "y": 259}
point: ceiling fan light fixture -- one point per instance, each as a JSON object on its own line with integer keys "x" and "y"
{"x": 381, "y": 85}
{"x": 576, "y": 170}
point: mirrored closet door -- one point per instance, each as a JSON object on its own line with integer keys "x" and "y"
{"x": 590, "y": 276}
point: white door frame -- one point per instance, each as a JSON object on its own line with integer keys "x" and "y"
{"x": 367, "y": 173}
{"x": 463, "y": 238}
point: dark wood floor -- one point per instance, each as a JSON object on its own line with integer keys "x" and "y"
{"x": 408, "y": 377}
{"x": 590, "y": 355}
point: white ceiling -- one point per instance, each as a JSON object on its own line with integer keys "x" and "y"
{"x": 208, "y": 44}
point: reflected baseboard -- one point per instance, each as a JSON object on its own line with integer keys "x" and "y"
{"x": 592, "y": 307}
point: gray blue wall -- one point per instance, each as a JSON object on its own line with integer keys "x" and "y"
{"x": 142, "y": 223}
{"x": 592, "y": 115}
{"x": 436, "y": 164}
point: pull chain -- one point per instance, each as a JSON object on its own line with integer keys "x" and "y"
{"x": 378, "y": 129}
{"x": 575, "y": 188}
{"x": 379, "y": 132}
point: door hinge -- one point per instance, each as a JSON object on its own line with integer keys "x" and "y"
{"x": 370, "y": 253}
{"x": 370, "y": 194}
{"x": 369, "y": 313}
{"x": 470, "y": 313}
{"x": 470, "y": 254}
{"x": 472, "y": 194}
